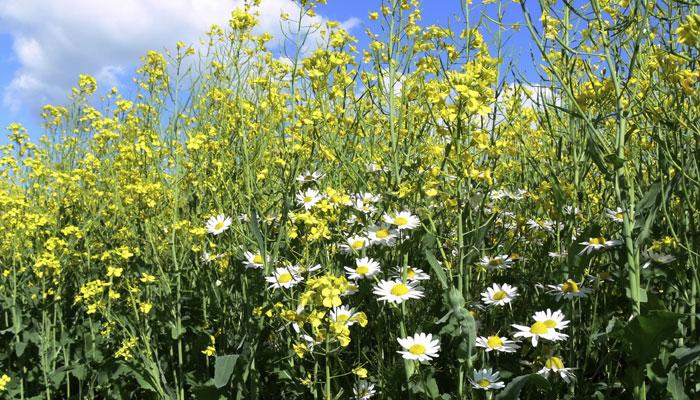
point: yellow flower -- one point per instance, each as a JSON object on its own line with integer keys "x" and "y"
{"x": 4, "y": 380}
{"x": 300, "y": 349}
{"x": 360, "y": 372}
{"x": 145, "y": 307}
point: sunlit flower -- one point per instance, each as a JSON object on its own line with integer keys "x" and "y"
{"x": 556, "y": 365}
{"x": 368, "y": 197}
{"x": 309, "y": 198}
{"x": 310, "y": 176}
{"x": 553, "y": 320}
{"x": 284, "y": 277}
{"x": 657, "y": 258}
{"x": 346, "y": 315}
{"x": 218, "y": 224}
{"x": 558, "y": 254}
{"x": 364, "y": 268}
{"x": 569, "y": 290}
{"x": 539, "y": 330}
{"x": 366, "y": 208}
{"x": 402, "y": 220}
{"x": 255, "y": 261}
{"x": 496, "y": 343}
{"x": 571, "y": 210}
{"x": 617, "y": 215}
{"x": 412, "y": 274}
{"x": 397, "y": 291}
{"x": 487, "y": 379}
{"x": 363, "y": 390}
{"x": 354, "y": 244}
{"x": 598, "y": 243}
{"x": 499, "y": 295}
{"x": 497, "y": 262}
{"x": 419, "y": 347}
{"x": 382, "y": 235}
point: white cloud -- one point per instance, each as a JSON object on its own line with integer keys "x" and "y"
{"x": 55, "y": 40}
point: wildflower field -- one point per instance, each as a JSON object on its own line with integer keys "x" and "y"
{"x": 410, "y": 220}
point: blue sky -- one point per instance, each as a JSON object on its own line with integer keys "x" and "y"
{"x": 45, "y": 44}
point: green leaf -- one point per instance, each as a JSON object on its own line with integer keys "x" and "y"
{"x": 431, "y": 388}
{"x": 437, "y": 268}
{"x": 674, "y": 385}
{"x": 616, "y": 161}
{"x": 223, "y": 369}
{"x": 646, "y": 333}
{"x": 514, "y": 387}
{"x": 685, "y": 355}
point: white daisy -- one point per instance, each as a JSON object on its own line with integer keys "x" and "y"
{"x": 558, "y": 254}
{"x": 617, "y": 215}
{"x": 354, "y": 244}
{"x": 499, "y": 295}
{"x": 553, "y": 320}
{"x": 556, "y": 365}
{"x": 402, "y": 220}
{"x": 539, "y": 330}
{"x": 310, "y": 176}
{"x": 569, "y": 290}
{"x": 540, "y": 224}
{"x": 412, "y": 274}
{"x": 487, "y": 379}
{"x": 397, "y": 291}
{"x": 255, "y": 261}
{"x": 363, "y": 390}
{"x": 343, "y": 314}
{"x": 218, "y": 224}
{"x": 496, "y": 343}
{"x": 382, "y": 235}
{"x": 368, "y": 197}
{"x": 598, "y": 243}
{"x": 497, "y": 262}
{"x": 571, "y": 210}
{"x": 657, "y": 258}
{"x": 419, "y": 347}
{"x": 284, "y": 277}
{"x": 364, "y": 268}
{"x": 366, "y": 208}
{"x": 309, "y": 198}
{"x": 208, "y": 257}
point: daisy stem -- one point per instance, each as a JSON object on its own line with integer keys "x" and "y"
{"x": 328, "y": 370}
{"x": 407, "y": 364}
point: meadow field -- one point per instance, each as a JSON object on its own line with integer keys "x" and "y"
{"x": 411, "y": 219}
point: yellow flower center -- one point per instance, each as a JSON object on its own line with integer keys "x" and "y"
{"x": 257, "y": 259}
{"x": 484, "y": 383}
{"x": 554, "y": 363}
{"x": 358, "y": 244}
{"x": 342, "y": 317}
{"x": 494, "y": 342}
{"x": 400, "y": 221}
{"x": 417, "y": 349}
{"x": 619, "y": 215}
{"x": 307, "y": 199}
{"x": 362, "y": 270}
{"x": 496, "y": 261}
{"x": 399, "y": 289}
{"x": 500, "y": 295}
{"x": 411, "y": 273}
{"x": 219, "y": 225}
{"x": 382, "y": 233}
{"x": 570, "y": 287}
{"x": 550, "y": 323}
{"x": 284, "y": 278}
{"x": 598, "y": 240}
{"x": 539, "y": 328}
